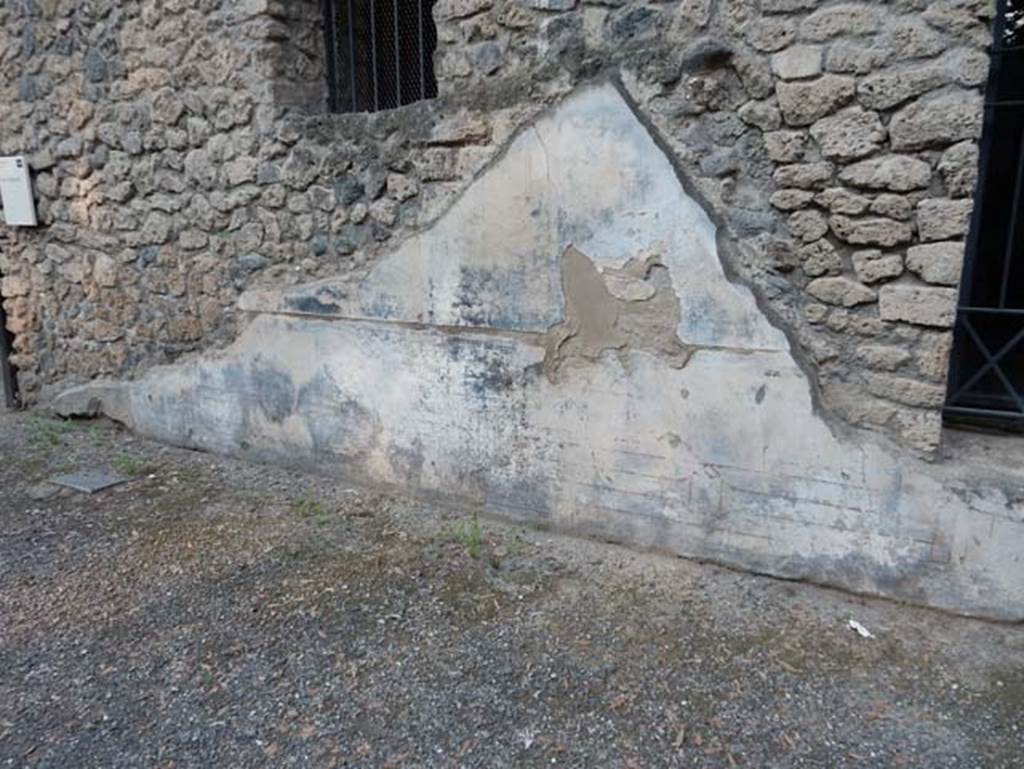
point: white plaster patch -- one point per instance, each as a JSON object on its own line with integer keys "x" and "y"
{"x": 587, "y": 174}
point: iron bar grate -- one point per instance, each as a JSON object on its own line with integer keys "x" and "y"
{"x": 380, "y": 53}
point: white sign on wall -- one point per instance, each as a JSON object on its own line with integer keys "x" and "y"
{"x": 16, "y": 192}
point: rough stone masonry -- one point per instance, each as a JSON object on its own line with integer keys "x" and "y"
{"x": 674, "y": 272}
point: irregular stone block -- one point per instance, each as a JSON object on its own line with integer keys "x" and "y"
{"x": 873, "y": 265}
{"x": 846, "y": 19}
{"x": 908, "y": 391}
{"x": 899, "y": 173}
{"x": 939, "y": 263}
{"x": 697, "y": 12}
{"x": 790, "y": 200}
{"x": 104, "y": 271}
{"x": 808, "y": 225}
{"x": 883, "y": 357}
{"x": 851, "y": 134}
{"x": 845, "y": 57}
{"x": 798, "y": 61}
{"x": 787, "y": 6}
{"x": 942, "y": 219}
{"x": 937, "y": 120}
{"x": 966, "y": 67}
{"x": 893, "y": 206}
{"x": 886, "y": 90}
{"x": 460, "y": 129}
{"x": 803, "y": 175}
{"x": 786, "y": 146}
{"x": 763, "y": 114}
{"x": 842, "y": 201}
{"x": 871, "y": 231}
{"x": 917, "y": 304}
{"x": 840, "y": 291}
{"x": 446, "y": 10}
{"x": 911, "y": 38}
{"x": 770, "y": 34}
{"x": 803, "y": 102}
{"x": 932, "y": 354}
{"x": 15, "y": 285}
{"x": 959, "y": 169}
{"x": 820, "y": 258}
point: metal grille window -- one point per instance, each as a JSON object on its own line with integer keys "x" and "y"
{"x": 380, "y": 53}
{"x": 987, "y": 365}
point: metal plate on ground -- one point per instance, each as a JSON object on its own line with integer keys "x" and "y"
{"x": 88, "y": 481}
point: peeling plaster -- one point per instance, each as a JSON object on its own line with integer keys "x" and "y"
{"x": 633, "y": 307}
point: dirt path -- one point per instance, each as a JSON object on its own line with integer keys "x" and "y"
{"x": 210, "y": 613}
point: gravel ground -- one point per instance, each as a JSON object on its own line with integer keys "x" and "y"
{"x": 211, "y": 613}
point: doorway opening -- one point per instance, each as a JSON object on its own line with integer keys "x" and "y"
{"x": 8, "y": 382}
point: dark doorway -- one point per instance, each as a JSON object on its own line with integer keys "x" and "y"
{"x": 8, "y": 384}
{"x": 986, "y": 377}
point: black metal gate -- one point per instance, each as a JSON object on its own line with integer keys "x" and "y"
{"x": 380, "y": 53}
{"x": 986, "y": 381}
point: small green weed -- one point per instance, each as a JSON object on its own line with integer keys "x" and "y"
{"x": 468, "y": 534}
{"x": 308, "y": 507}
{"x": 48, "y": 432}
{"x": 129, "y": 464}
{"x": 98, "y": 436}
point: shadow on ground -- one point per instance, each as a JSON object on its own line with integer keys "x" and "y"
{"x": 213, "y": 613}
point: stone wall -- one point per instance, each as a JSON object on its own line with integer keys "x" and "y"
{"x": 182, "y": 156}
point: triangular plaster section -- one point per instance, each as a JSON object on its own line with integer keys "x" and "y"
{"x": 589, "y": 175}
{"x": 563, "y": 347}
